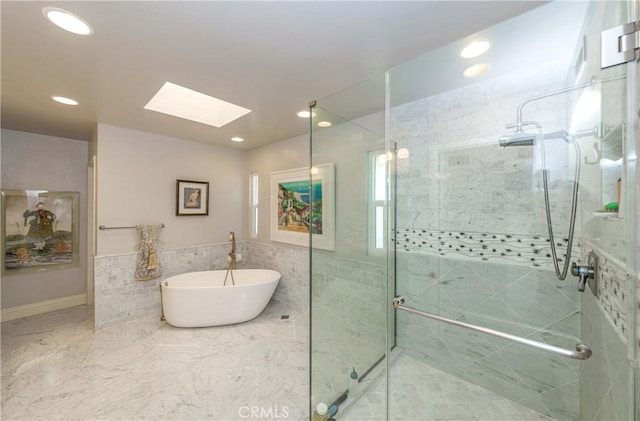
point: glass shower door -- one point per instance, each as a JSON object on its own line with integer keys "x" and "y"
{"x": 349, "y": 278}
{"x": 485, "y": 198}
{"x": 455, "y": 191}
{"x": 608, "y": 385}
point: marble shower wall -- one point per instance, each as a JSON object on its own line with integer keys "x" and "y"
{"x": 118, "y": 297}
{"x": 456, "y": 176}
{"x": 472, "y": 237}
{"x": 504, "y": 297}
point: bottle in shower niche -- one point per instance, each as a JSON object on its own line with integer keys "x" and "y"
{"x": 321, "y": 413}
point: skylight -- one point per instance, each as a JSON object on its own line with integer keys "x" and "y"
{"x": 178, "y": 101}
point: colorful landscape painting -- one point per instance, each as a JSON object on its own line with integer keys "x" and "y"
{"x": 39, "y": 229}
{"x": 299, "y": 209}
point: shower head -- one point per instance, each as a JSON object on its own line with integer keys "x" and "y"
{"x": 521, "y": 138}
{"x": 517, "y": 139}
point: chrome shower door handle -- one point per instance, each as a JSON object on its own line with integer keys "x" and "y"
{"x": 582, "y": 351}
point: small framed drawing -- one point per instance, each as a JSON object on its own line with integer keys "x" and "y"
{"x": 302, "y": 203}
{"x": 40, "y": 230}
{"x": 192, "y": 197}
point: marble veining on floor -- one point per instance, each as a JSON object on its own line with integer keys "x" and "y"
{"x": 419, "y": 392}
{"x": 54, "y": 366}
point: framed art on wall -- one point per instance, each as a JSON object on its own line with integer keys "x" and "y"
{"x": 303, "y": 203}
{"x": 192, "y": 197}
{"x": 40, "y": 230}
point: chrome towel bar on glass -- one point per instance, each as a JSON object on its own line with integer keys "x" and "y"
{"x": 582, "y": 351}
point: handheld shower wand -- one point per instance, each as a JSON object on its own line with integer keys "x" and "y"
{"x": 520, "y": 138}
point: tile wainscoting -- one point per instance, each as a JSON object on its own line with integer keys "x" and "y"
{"x": 292, "y": 294}
{"x": 119, "y": 298}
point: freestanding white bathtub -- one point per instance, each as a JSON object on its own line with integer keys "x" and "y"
{"x": 199, "y": 299}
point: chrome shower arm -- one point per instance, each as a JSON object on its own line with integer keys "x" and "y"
{"x": 519, "y": 121}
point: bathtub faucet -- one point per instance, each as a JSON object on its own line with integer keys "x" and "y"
{"x": 232, "y": 259}
{"x": 232, "y": 255}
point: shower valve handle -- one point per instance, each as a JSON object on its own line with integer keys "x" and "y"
{"x": 583, "y": 273}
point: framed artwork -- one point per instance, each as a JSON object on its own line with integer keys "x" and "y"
{"x": 40, "y": 230}
{"x": 192, "y": 197}
{"x": 302, "y": 203}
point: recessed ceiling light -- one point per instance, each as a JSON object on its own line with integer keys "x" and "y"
{"x": 237, "y": 139}
{"x": 64, "y": 100}
{"x": 67, "y": 21}
{"x": 305, "y": 114}
{"x": 324, "y": 123}
{"x": 476, "y": 70}
{"x": 186, "y": 103}
{"x": 475, "y": 49}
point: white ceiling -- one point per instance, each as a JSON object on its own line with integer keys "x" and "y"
{"x": 271, "y": 57}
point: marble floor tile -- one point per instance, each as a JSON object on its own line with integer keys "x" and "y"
{"x": 55, "y": 367}
{"x": 419, "y": 392}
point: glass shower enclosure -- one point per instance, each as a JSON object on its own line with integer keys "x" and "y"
{"x": 479, "y": 228}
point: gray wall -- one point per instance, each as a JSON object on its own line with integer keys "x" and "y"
{"x": 34, "y": 161}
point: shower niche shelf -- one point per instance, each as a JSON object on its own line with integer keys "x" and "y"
{"x": 611, "y": 163}
{"x": 607, "y": 215}
{"x": 612, "y": 143}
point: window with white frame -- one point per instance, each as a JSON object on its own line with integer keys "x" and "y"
{"x": 377, "y": 198}
{"x": 253, "y": 199}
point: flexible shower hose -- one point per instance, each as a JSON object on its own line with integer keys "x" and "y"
{"x": 572, "y": 219}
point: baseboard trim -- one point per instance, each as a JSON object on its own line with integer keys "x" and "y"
{"x": 19, "y": 312}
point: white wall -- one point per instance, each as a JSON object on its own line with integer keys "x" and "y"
{"x": 33, "y": 161}
{"x": 288, "y": 154}
{"x": 136, "y": 184}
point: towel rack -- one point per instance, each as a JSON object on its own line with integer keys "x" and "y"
{"x": 102, "y": 227}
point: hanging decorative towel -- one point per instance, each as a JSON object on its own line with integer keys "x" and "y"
{"x": 147, "y": 263}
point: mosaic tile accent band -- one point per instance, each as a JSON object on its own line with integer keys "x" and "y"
{"x": 530, "y": 250}
{"x": 615, "y": 288}
{"x": 614, "y": 294}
